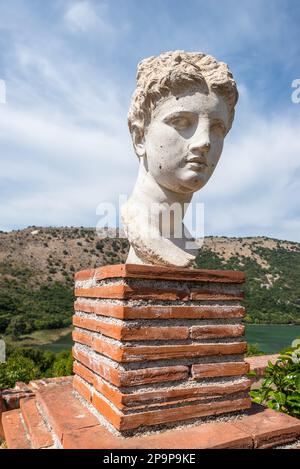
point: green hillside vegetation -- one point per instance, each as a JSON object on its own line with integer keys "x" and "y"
{"x": 265, "y": 302}
{"x": 23, "y": 309}
{"x": 37, "y": 267}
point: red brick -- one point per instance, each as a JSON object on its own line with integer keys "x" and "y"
{"x": 133, "y": 377}
{"x": 183, "y": 413}
{"x": 126, "y": 292}
{"x": 82, "y": 388}
{"x": 108, "y": 349}
{"x": 165, "y": 352}
{"x": 215, "y": 296}
{"x": 85, "y": 275}
{"x": 83, "y": 372}
{"x": 106, "y": 291}
{"x": 153, "y": 375}
{"x": 155, "y": 333}
{"x": 210, "y": 370}
{"x": 167, "y": 273}
{"x": 212, "y": 435}
{"x": 37, "y": 384}
{"x": 14, "y": 430}
{"x": 111, "y": 393}
{"x": 11, "y": 397}
{"x": 97, "y": 437}
{"x": 82, "y": 338}
{"x": 114, "y": 311}
{"x": 136, "y": 292}
{"x": 83, "y": 358}
{"x": 211, "y": 390}
{"x": 40, "y": 437}
{"x": 160, "y": 312}
{"x": 108, "y": 372}
{"x": 217, "y": 331}
{"x": 270, "y": 428}
{"x": 123, "y": 332}
{"x": 111, "y": 330}
{"x": 22, "y": 387}
{"x": 220, "y": 435}
{"x": 63, "y": 411}
{"x": 166, "y": 396}
{"x": 105, "y": 408}
{"x": 156, "y": 417}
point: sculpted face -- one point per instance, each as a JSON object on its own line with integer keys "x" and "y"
{"x": 184, "y": 140}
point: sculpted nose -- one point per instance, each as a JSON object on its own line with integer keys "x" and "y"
{"x": 200, "y": 144}
{"x": 200, "y": 147}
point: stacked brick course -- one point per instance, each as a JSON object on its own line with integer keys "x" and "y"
{"x": 158, "y": 345}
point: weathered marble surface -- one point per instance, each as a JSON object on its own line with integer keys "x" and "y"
{"x": 180, "y": 113}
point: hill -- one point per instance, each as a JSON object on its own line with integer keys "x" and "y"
{"x": 37, "y": 267}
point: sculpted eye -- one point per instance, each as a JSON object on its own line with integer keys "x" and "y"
{"x": 218, "y": 127}
{"x": 179, "y": 122}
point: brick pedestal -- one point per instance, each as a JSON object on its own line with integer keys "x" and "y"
{"x": 158, "y": 345}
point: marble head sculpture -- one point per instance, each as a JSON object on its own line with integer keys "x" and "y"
{"x": 180, "y": 113}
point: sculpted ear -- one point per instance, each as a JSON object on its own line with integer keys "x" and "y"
{"x": 138, "y": 141}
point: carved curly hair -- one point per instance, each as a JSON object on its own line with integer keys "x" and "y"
{"x": 171, "y": 73}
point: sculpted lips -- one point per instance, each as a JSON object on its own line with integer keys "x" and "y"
{"x": 198, "y": 163}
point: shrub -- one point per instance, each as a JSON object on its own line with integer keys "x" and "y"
{"x": 63, "y": 364}
{"x": 253, "y": 349}
{"x": 17, "y": 368}
{"x": 280, "y": 389}
{"x": 99, "y": 245}
{"x": 18, "y": 326}
{"x": 25, "y": 364}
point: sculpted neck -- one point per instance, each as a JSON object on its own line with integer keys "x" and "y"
{"x": 152, "y": 219}
{"x": 148, "y": 191}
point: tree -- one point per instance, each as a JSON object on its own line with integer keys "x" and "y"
{"x": 17, "y": 327}
{"x": 63, "y": 364}
{"x": 17, "y": 368}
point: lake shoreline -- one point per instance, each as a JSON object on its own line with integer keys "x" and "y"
{"x": 271, "y": 324}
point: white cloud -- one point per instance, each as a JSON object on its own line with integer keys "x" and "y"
{"x": 81, "y": 16}
{"x": 63, "y": 135}
{"x": 66, "y": 170}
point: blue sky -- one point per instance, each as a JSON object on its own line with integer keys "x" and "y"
{"x": 69, "y": 68}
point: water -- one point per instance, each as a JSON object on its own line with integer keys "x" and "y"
{"x": 271, "y": 338}
{"x": 63, "y": 343}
